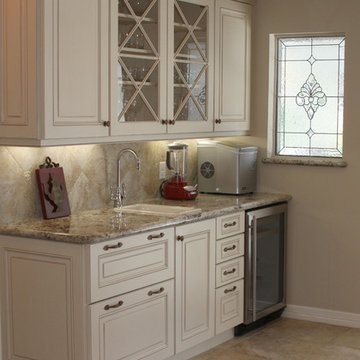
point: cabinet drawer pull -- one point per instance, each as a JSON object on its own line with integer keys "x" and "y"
{"x": 106, "y": 123}
{"x": 108, "y": 307}
{"x": 218, "y": 121}
{"x": 116, "y": 246}
{"x": 230, "y": 290}
{"x": 227, "y": 272}
{"x": 230, "y": 224}
{"x": 180, "y": 238}
{"x": 230, "y": 248}
{"x": 150, "y": 237}
{"x": 150, "y": 293}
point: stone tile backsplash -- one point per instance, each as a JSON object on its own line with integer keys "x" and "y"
{"x": 89, "y": 171}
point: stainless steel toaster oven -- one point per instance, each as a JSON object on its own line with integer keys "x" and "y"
{"x": 226, "y": 167}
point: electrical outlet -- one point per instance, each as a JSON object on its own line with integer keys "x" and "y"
{"x": 162, "y": 170}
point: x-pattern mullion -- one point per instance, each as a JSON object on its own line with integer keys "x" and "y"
{"x": 138, "y": 88}
{"x": 190, "y": 92}
{"x": 139, "y": 25}
{"x": 190, "y": 31}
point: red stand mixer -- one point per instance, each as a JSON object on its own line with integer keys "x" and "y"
{"x": 176, "y": 187}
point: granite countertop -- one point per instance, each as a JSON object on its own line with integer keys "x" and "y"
{"x": 94, "y": 226}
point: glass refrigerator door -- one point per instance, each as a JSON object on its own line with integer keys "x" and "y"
{"x": 266, "y": 261}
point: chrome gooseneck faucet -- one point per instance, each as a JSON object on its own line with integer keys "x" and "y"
{"x": 119, "y": 193}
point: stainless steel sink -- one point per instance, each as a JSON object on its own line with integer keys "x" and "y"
{"x": 160, "y": 210}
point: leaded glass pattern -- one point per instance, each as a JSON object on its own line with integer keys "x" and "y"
{"x": 310, "y": 96}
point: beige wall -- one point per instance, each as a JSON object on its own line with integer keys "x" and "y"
{"x": 89, "y": 171}
{"x": 324, "y": 232}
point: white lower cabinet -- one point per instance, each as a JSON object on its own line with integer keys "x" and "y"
{"x": 137, "y": 325}
{"x": 42, "y": 300}
{"x": 195, "y": 283}
{"x": 121, "y": 299}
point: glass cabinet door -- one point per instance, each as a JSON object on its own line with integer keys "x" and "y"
{"x": 190, "y": 68}
{"x": 140, "y": 58}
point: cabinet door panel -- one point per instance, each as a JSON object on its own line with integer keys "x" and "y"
{"x": 76, "y": 68}
{"x": 195, "y": 259}
{"x": 232, "y": 59}
{"x": 229, "y": 306}
{"x": 141, "y": 327}
{"x": 18, "y": 68}
{"x": 42, "y": 300}
{"x": 191, "y": 65}
{"x": 138, "y": 67}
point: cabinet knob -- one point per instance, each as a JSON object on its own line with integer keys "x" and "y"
{"x": 150, "y": 293}
{"x": 218, "y": 121}
{"x": 180, "y": 238}
{"x": 227, "y": 272}
{"x": 230, "y": 224}
{"x": 108, "y": 307}
{"x": 116, "y": 246}
{"x": 171, "y": 122}
{"x": 230, "y": 290}
{"x": 164, "y": 122}
{"x": 150, "y": 237}
{"x": 230, "y": 248}
{"x": 106, "y": 123}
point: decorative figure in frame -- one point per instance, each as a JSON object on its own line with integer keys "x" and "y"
{"x": 52, "y": 189}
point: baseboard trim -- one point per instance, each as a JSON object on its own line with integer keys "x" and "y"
{"x": 322, "y": 315}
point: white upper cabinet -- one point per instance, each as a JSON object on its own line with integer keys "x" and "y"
{"x": 88, "y": 71}
{"x": 75, "y": 68}
{"x": 162, "y": 66}
{"x": 232, "y": 70}
{"x": 191, "y": 65}
{"x": 18, "y": 69}
{"x": 138, "y": 55}
{"x": 54, "y": 70}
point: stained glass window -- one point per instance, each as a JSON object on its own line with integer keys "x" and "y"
{"x": 310, "y": 96}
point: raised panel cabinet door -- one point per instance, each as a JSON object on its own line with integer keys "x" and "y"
{"x": 76, "y": 69}
{"x": 43, "y": 313}
{"x": 136, "y": 325}
{"x": 138, "y": 57}
{"x": 18, "y": 69}
{"x": 195, "y": 283}
{"x": 232, "y": 66}
{"x": 229, "y": 306}
{"x": 190, "y": 65}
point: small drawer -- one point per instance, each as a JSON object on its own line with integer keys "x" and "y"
{"x": 229, "y": 271}
{"x": 229, "y": 248}
{"x": 128, "y": 263}
{"x": 231, "y": 224}
{"x": 229, "y": 306}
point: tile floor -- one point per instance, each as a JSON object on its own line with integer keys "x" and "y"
{"x": 289, "y": 339}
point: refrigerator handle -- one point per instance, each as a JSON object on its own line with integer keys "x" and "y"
{"x": 253, "y": 240}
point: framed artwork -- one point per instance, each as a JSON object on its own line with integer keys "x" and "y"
{"x": 52, "y": 190}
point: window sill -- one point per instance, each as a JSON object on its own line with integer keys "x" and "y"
{"x": 305, "y": 162}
